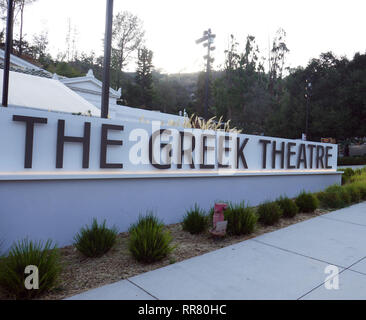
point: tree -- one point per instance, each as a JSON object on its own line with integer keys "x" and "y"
{"x": 199, "y": 94}
{"x": 4, "y": 14}
{"x": 71, "y": 52}
{"x": 127, "y": 36}
{"x": 277, "y": 58}
{"x": 40, "y": 43}
{"x": 19, "y": 6}
{"x": 22, "y": 4}
{"x": 241, "y": 92}
{"x": 169, "y": 94}
{"x": 144, "y": 78}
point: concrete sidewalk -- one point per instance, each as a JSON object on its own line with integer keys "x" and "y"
{"x": 285, "y": 264}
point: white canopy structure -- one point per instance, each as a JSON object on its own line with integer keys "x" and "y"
{"x": 46, "y": 94}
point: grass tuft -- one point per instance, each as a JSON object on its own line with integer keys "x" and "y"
{"x": 148, "y": 242}
{"x": 195, "y": 220}
{"x": 96, "y": 240}
{"x": 241, "y": 219}
{"x": 45, "y": 256}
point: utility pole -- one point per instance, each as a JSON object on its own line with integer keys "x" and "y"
{"x": 8, "y": 47}
{"x": 307, "y": 97}
{"x": 207, "y": 39}
{"x": 107, "y": 59}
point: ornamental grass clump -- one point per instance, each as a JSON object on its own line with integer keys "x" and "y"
{"x": 353, "y": 192}
{"x": 269, "y": 213}
{"x": 95, "y": 240}
{"x": 241, "y": 219}
{"x": 195, "y": 220}
{"x": 148, "y": 241}
{"x": 307, "y": 202}
{"x": 25, "y": 253}
{"x": 288, "y": 206}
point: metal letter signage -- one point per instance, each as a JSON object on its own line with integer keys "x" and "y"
{"x": 88, "y": 147}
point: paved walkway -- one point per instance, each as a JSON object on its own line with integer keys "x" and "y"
{"x": 285, "y": 264}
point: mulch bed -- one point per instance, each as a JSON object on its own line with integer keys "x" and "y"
{"x": 81, "y": 274}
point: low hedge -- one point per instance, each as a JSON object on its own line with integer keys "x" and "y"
{"x": 269, "y": 213}
{"x": 353, "y": 191}
{"x": 330, "y": 199}
{"x": 288, "y": 206}
{"x": 361, "y": 186}
{"x": 351, "y": 161}
{"x": 344, "y": 195}
{"x": 307, "y": 202}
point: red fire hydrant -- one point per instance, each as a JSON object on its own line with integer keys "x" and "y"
{"x": 218, "y": 213}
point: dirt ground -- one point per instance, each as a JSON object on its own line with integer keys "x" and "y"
{"x": 81, "y": 274}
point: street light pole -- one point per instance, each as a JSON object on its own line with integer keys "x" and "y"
{"x": 8, "y": 47}
{"x": 107, "y": 59}
{"x": 307, "y": 96}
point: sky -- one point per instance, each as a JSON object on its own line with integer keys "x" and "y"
{"x": 171, "y": 27}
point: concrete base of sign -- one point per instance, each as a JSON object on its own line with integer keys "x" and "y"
{"x": 56, "y": 209}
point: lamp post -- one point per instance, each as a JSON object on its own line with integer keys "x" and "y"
{"x": 307, "y": 97}
{"x": 107, "y": 59}
{"x": 8, "y": 47}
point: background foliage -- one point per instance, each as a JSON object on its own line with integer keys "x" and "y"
{"x": 253, "y": 88}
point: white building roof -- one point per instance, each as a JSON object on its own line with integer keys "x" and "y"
{"x": 19, "y": 62}
{"x": 46, "y": 94}
{"x": 89, "y": 84}
{"x": 146, "y": 116}
{"x": 31, "y": 86}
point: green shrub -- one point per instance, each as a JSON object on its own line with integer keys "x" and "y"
{"x": 288, "y": 206}
{"x": 269, "y": 213}
{"x": 330, "y": 199}
{"x": 45, "y": 256}
{"x": 307, "y": 202}
{"x": 240, "y": 219}
{"x": 347, "y": 174}
{"x": 96, "y": 240}
{"x": 361, "y": 186}
{"x": 148, "y": 242}
{"x": 360, "y": 176}
{"x": 345, "y": 196}
{"x": 353, "y": 191}
{"x": 195, "y": 220}
{"x": 359, "y": 171}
